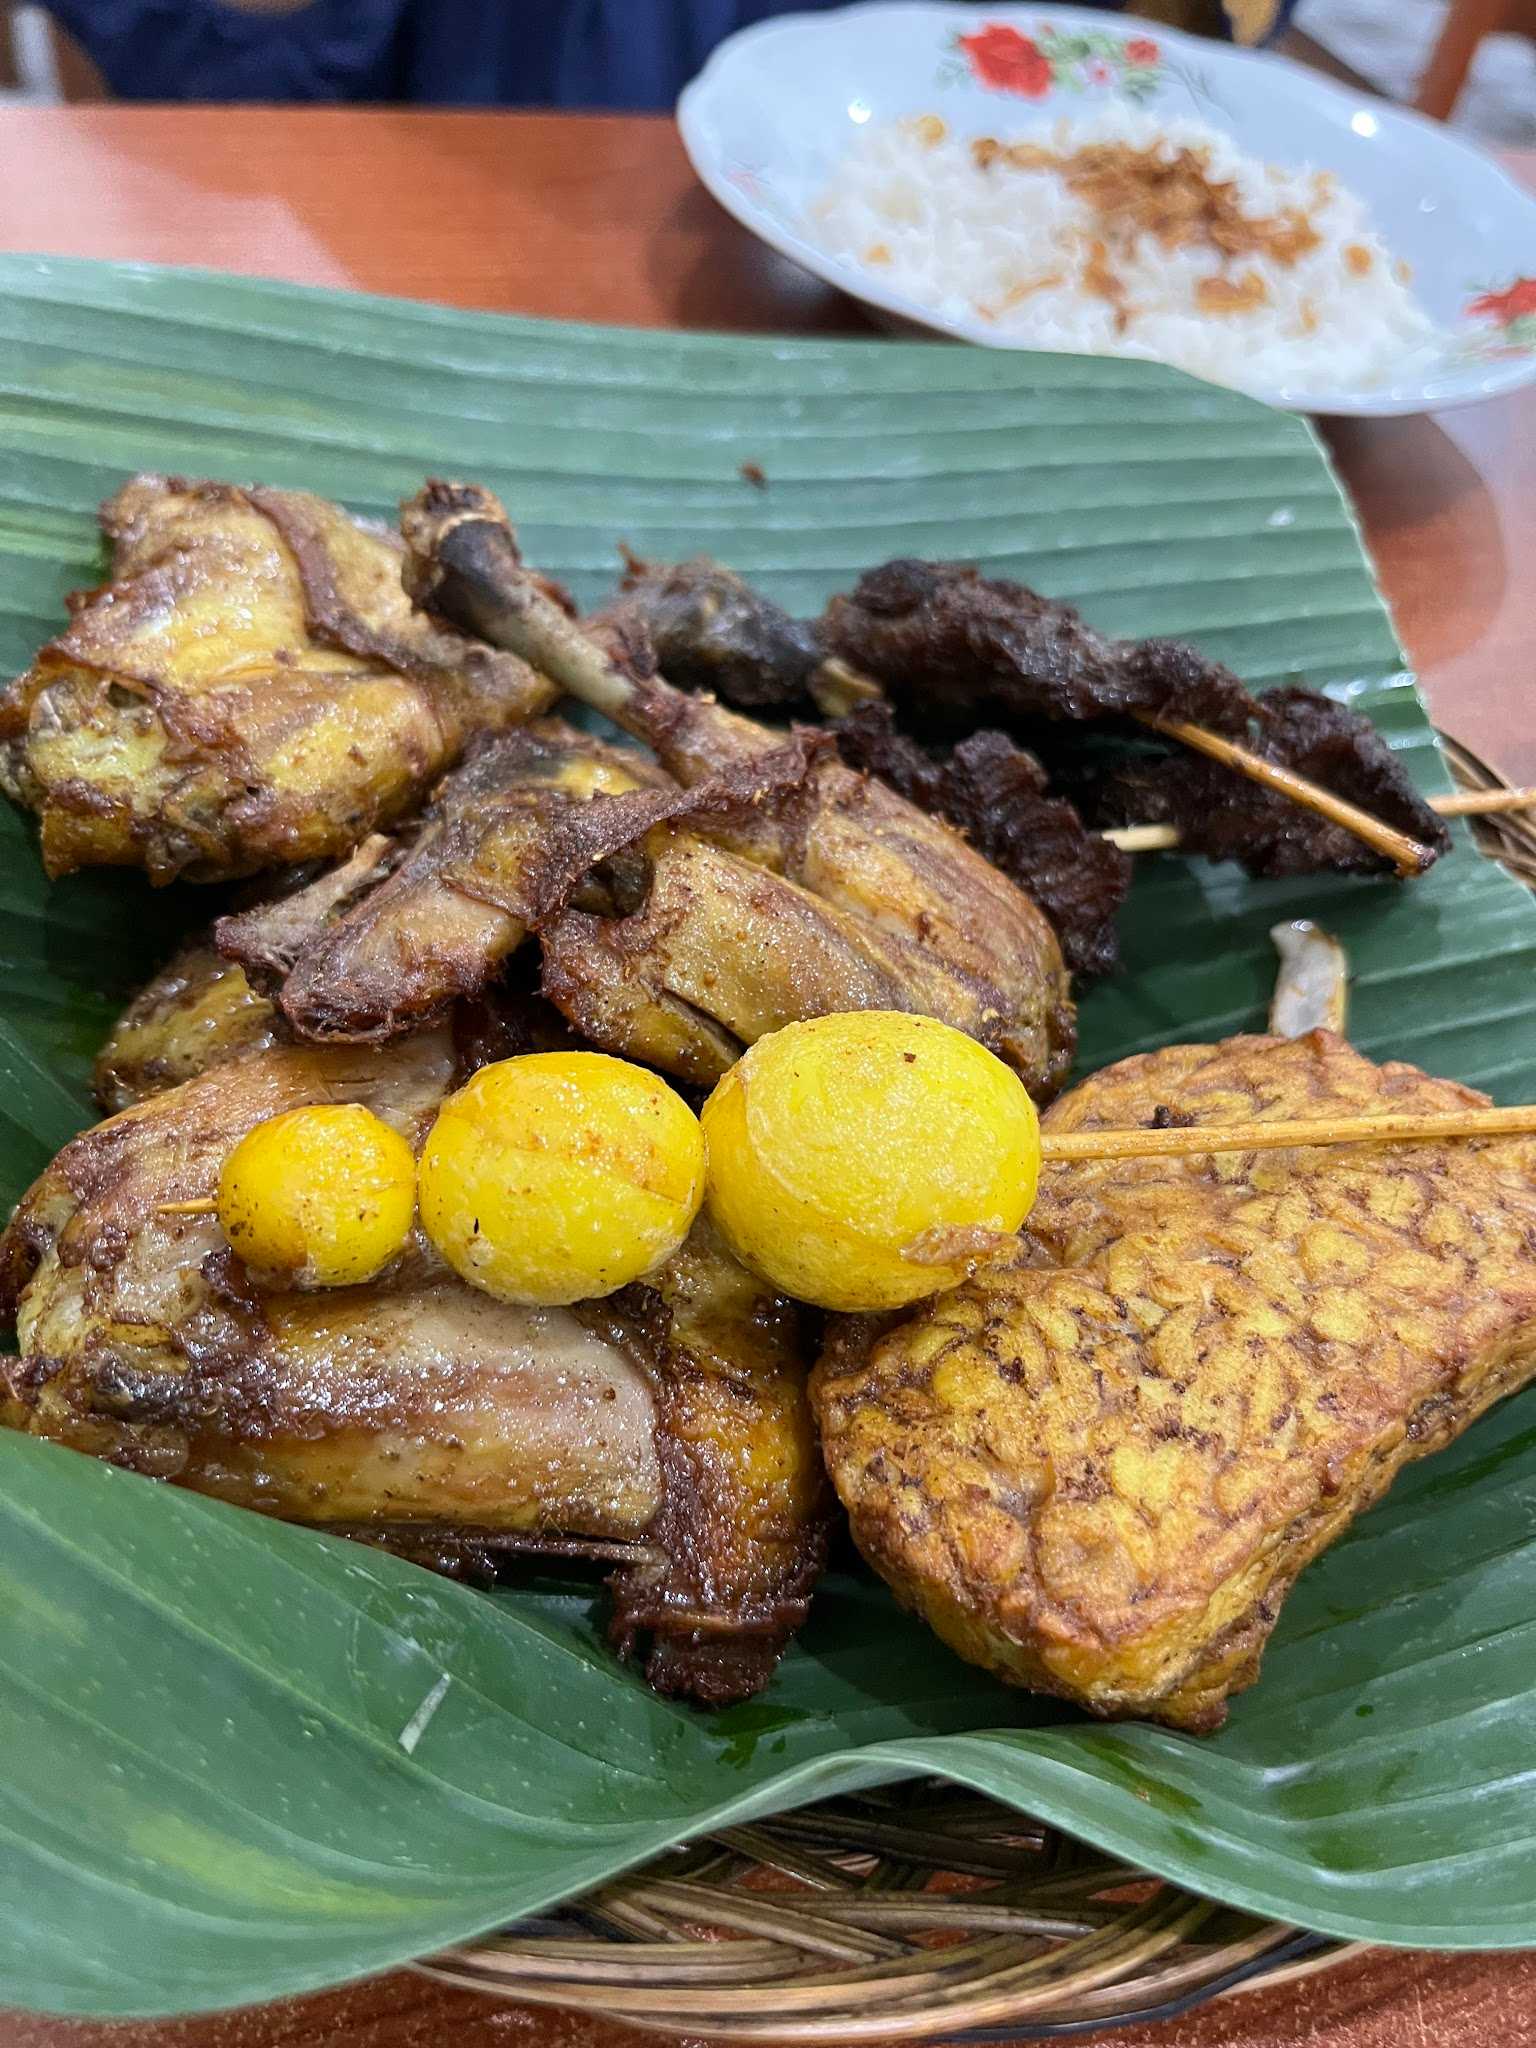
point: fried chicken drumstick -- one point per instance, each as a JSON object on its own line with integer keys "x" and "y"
{"x": 1098, "y": 1468}
{"x": 250, "y": 689}
{"x": 665, "y": 1429}
{"x": 773, "y": 884}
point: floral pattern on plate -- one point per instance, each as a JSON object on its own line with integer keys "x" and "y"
{"x": 1004, "y": 59}
{"x": 1512, "y": 312}
{"x": 780, "y": 102}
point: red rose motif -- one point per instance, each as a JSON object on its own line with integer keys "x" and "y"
{"x": 1514, "y": 303}
{"x": 1007, "y": 61}
{"x": 1141, "y": 50}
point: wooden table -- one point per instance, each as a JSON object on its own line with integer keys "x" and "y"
{"x": 599, "y": 218}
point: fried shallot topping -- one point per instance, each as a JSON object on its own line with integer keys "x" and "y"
{"x": 1172, "y": 197}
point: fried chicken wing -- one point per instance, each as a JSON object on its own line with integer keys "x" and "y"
{"x": 956, "y": 937}
{"x": 665, "y": 1428}
{"x": 250, "y": 689}
{"x": 1098, "y": 1470}
{"x": 509, "y": 836}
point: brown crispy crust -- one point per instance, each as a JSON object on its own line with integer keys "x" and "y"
{"x": 666, "y": 1429}
{"x": 1098, "y": 1470}
{"x": 250, "y": 689}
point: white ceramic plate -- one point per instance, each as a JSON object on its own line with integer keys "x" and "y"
{"x": 773, "y": 111}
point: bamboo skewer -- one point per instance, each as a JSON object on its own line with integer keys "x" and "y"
{"x": 1483, "y": 803}
{"x": 1409, "y": 856}
{"x": 1465, "y": 803}
{"x": 1189, "y": 1141}
{"x": 1144, "y": 838}
{"x": 462, "y": 559}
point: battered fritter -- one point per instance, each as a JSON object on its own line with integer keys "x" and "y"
{"x": 1097, "y": 1471}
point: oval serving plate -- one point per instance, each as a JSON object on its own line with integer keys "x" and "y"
{"x": 771, "y": 114}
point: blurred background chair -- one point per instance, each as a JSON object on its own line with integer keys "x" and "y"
{"x": 1471, "y": 60}
{"x": 1467, "y": 23}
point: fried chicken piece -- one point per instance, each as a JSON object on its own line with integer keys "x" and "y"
{"x": 197, "y": 1012}
{"x": 250, "y": 689}
{"x": 1097, "y": 1470}
{"x": 531, "y": 822}
{"x": 955, "y": 939}
{"x": 508, "y": 838}
{"x": 996, "y": 794}
{"x": 721, "y": 952}
{"x": 665, "y": 1428}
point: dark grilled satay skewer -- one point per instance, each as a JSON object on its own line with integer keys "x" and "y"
{"x": 956, "y": 648}
{"x": 1461, "y": 803}
{"x": 957, "y": 651}
{"x": 993, "y": 647}
{"x": 1408, "y": 856}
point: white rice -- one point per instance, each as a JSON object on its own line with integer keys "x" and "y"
{"x": 1006, "y": 246}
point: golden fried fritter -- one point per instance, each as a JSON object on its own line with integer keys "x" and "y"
{"x": 666, "y": 1428}
{"x": 250, "y": 689}
{"x": 1097, "y": 1470}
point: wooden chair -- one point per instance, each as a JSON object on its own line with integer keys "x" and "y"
{"x": 1465, "y": 26}
{"x": 78, "y": 77}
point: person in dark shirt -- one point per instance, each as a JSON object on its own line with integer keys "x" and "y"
{"x": 631, "y": 54}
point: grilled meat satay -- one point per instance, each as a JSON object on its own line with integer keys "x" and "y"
{"x": 1098, "y": 1469}
{"x": 250, "y": 690}
{"x": 977, "y": 952}
{"x": 665, "y": 1428}
{"x": 956, "y": 649}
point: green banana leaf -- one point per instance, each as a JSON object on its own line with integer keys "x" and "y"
{"x": 204, "y": 1794}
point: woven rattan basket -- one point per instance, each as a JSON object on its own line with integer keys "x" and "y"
{"x": 917, "y": 1914}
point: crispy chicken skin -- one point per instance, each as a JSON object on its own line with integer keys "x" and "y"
{"x": 859, "y": 870}
{"x": 251, "y": 688}
{"x": 665, "y": 1428}
{"x": 1097, "y": 1471}
{"x": 198, "y": 1011}
{"x": 510, "y": 833}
